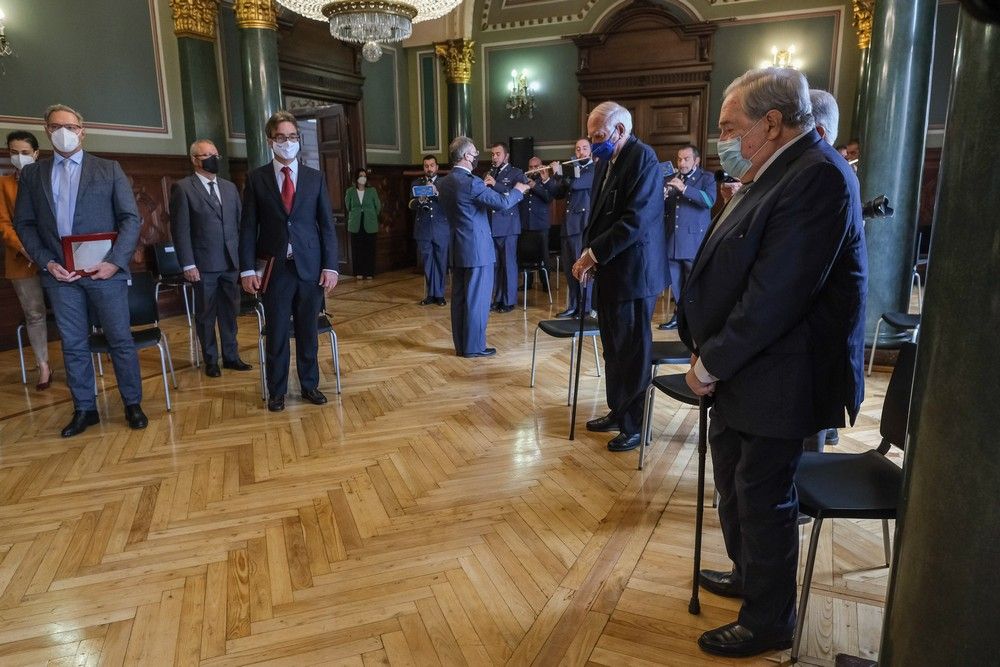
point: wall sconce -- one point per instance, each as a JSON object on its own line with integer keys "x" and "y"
{"x": 5, "y": 48}
{"x": 783, "y": 58}
{"x": 521, "y": 95}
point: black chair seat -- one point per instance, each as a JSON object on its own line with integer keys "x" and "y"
{"x": 568, "y": 328}
{"x": 675, "y": 386}
{"x": 143, "y": 338}
{"x": 848, "y": 486}
{"x": 902, "y": 320}
{"x": 669, "y": 352}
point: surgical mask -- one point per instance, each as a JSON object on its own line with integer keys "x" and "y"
{"x": 65, "y": 141}
{"x": 211, "y": 164}
{"x": 731, "y": 154}
{"x": 21, "y": 161}
{"x": 603, "y": 150}
{"x": 286, "y": 150}
{"x": 362, "y": 180}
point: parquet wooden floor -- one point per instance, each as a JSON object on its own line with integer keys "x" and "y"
{"x": 434, "y": 513}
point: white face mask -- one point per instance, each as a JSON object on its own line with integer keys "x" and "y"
{"x": 362, "y": 180}
{"x": 286, "y": 150}
{"x": 65, "y": 141}
{"x": 21, "y": 161}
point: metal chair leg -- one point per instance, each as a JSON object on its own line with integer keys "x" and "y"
{"x": 558, "y": 271}
{"x": 548, "y": 287}
{"x": 534, "y": 346}
{"x": 647, "y": 423}
{"x": 187, "y": 306}
{"x": 885, "y": 542}
{"x": 170, "y": 359}
{"x": 597, "y": 357}
{"x": 261, "y": 358}
{"x": 335, "y": 351}
{"x": 525, "y": 274}
{"x": 20, "y": 352}
{"x": 163, "y": 371}
{"x": 806, "y": 583}
{"x": 100, "y": 365}
{"x": 871, "y": 359}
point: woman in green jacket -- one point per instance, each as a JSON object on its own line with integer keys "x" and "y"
{"x": 363, "y": 207}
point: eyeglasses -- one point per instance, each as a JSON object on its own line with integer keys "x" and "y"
{"x": 72, "y": 127}
{"x": 205, "y": 156}
{"x": 282, "y": 138}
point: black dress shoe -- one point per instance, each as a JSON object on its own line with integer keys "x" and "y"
{"x": 314, "y": 396}
{"x": 494, "y": 306}
{"x": 276, "y": 403}
{"x": 504, "y": 309}
{"x": 80, "y": 421}
{"x": 237, "y": 365}
{"x": 212, "y": 370}
{"x": 488, "y": 352}
{"x": 440, "y": 301}
{"x": 427, "y": 301}
{"x": 134, "y": 417}
{"x": 721, "y": 583}
{"x": 669, "y": 325}
{"x": 605, "y": 424}
{"x": 832, "y": 436}
{"x": 737, "y": 641}
{"x": 569, "y": 312}
{"x": 624, "y": 442}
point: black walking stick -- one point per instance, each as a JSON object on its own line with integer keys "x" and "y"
{"x": 694, "y": 606}
{"x": 579, "y": 355}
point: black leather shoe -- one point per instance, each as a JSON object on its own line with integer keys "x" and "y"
{"x": 440, "y": 301}
{"x": 504, "y": 309}
{"x": 314, "y": 396}
{"x": 135, "y": 417}
{"x": 737, "y": 641}
{"x": 276, "y": 403}
{"x": 721, "y": 583}
{"x": 212, "y": 370}
{"x": 669, "y": 325}
{"x": 605, "y": 424}
{"x": 623, "y": 442}
{"x": 832, "y": 436}
{"x": 80, "y": 421}
{"x": 428, "y": 301}
{"x": 494, "y": 306}
{"x": 569, "y": 312}
{"x": 488, "y": 352}
{"x": 237, "y": 365}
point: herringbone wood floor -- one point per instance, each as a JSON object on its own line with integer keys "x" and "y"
{"x": 434, "y": 513}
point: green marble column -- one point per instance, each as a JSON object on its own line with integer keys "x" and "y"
{"x": 863, "y": 10}
{"x": 943, "y": 600}
{"x": 261, "y": 76}
{"x": 893, "y": 134}
{"x": 458, "y": 56}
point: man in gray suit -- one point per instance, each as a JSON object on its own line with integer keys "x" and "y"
{"x": 205, "y": 226}
{"x": 76, "y": 193}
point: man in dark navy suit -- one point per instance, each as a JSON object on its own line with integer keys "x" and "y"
{"x": 624, "y": 250}
{"x": 506, "y": 226}
{"x": 535, "y": 207}
{"x": 575, "y": 188}
{"x": 466, "y": 201}
{"x": 774, "y": 312}
{"x": 431, "y": 232}
{"x": 287, "y": 217}
{"x": 690, "y": 196}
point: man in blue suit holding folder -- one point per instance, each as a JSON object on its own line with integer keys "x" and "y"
{"x": 75, "y": 193}
{"x": 466, "y": 201}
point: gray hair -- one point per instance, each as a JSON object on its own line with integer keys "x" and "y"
{"x": 201, "y": 141}
{"x": 826, "y": 113}
{"x": 613, "y": 113}
{"x": 458, "y": 147}
{"x": 780, "y": 88}
{"x": 62, "y": 107}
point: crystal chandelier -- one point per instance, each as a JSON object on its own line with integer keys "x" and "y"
{"x": 371, "y": 22}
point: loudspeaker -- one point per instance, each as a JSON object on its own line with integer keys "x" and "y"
{"x": 521, "y": 150}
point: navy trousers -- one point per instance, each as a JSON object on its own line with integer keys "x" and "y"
{"x": 291, "y": 303}
{"x": 627, "y": 341}
{"x": 505, "y": 274}
{"x": 434, "y": 257}
{"x": 470, "y": 307}
{"x": 217, "y": 300}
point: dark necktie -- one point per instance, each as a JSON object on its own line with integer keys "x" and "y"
{"x": 216, "y": 203}
{"x": 287, "y": 189}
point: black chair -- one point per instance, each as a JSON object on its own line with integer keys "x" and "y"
{"x": 171, "y": 275}
{"x": 903, "y": 321}
{"x": 532, "y": 256}
{"x": 323, "y": 327}
{"x": 143, "y": 312}
{"x": 668, "y": 352}
{"x": 856, "y": 486}
{"x": 569, "y": 328}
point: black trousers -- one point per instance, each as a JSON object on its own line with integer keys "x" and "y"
{"x": 627, "y": 341}
{"x": 363, "y": 247}
{"x": 291, "y": 302}
{"x": 758, "y": 510}
{"x": 217, "y": 300}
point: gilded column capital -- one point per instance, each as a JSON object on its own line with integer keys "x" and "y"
{"x": 457, "y": 56}
{"x": 195, "y": 18}
{"x": 864, "y": 12}
{"x": 256, "y": 14}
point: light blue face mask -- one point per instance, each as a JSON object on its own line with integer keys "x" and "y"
{"x": 731, "y": 154}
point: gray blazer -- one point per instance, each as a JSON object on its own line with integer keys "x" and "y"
{"x": 105, "y": 203}
{"x": 205, "y": 235}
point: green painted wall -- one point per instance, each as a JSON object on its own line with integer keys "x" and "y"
{"x": 387, "y": 107}
{"x": 229, "y": 50}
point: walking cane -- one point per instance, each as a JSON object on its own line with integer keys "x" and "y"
{"x": 694, "y": 606}
{"x": 579, "y": 355}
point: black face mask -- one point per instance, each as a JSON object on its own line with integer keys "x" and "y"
{"x": 474, "y": 162}
{"x": 211, "y": 164}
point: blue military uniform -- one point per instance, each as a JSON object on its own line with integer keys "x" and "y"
{"x": 432, "y": 234}
{"x": 506, "y": 227}
{"x": 576, "y": 190}
{"x": 687, "y": 218}
{"x": 466, "y": 201}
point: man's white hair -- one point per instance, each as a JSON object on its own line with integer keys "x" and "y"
{"x": 826, "y": 113}
{"x": 780, "y": 88}
{"x": 613, "y": 113}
